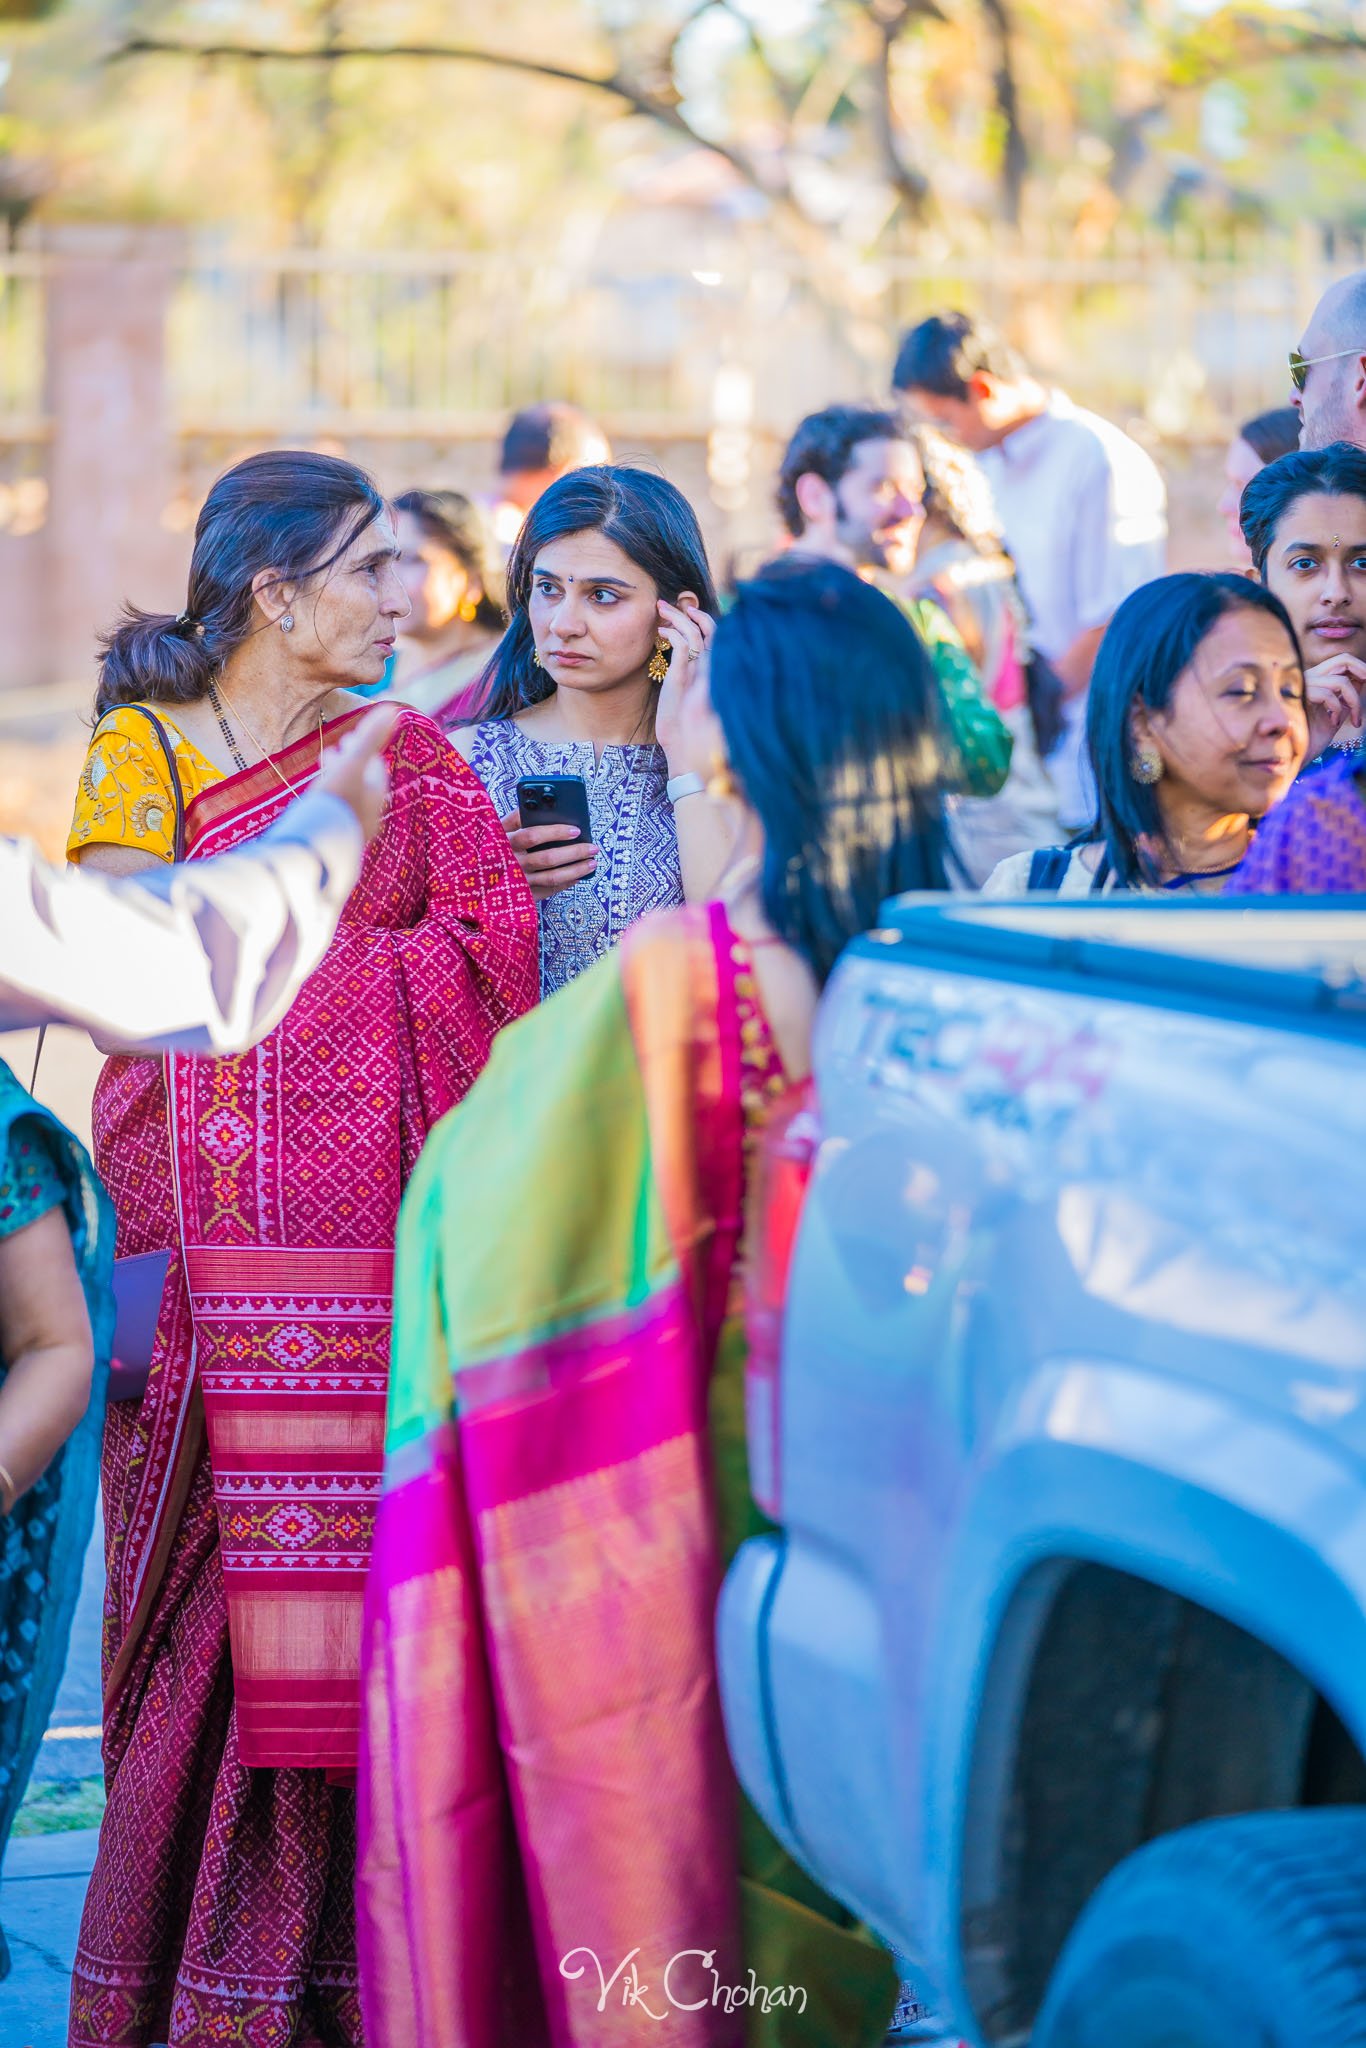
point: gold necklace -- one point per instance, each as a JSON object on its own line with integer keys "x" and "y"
{"x": 290, "y": 786}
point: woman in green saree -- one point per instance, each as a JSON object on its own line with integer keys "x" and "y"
{"x": 56, "y": 1321}
{"x": 554, "y": 1848}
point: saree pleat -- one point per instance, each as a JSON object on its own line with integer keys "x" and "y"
{"x": 239, "y": 1491}
{"x": 551, "y": 1511}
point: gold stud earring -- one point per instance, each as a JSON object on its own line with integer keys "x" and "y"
{"x": 659, "y": 663}
{"x": 1145, "y": 765}
{"x": 469, "y": 609}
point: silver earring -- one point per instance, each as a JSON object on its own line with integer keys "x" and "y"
{"x": 287, "y": 623}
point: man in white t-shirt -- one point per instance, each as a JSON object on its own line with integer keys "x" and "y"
{"x": 1082, "y": 506}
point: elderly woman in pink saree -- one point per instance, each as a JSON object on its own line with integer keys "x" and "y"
{"x": 553, "y": 1846}
{"x": 239, "y": 1490}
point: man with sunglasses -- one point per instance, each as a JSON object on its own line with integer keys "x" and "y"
{"x": 1328, "y": 369}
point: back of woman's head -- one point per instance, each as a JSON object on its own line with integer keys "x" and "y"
{"x": 957, "y": 491}
{"x": 1151, "y": 640}
{"x": 288, "y": 511}
{"x": 829, "y": 707}
{"x": 455, "y": 522}
{"x": 1272, "y": 434}
{"x": 647, "y": 517}
{"x": 1335, "y": 472}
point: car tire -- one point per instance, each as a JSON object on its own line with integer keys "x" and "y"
{"x": 1241, "y": 1931}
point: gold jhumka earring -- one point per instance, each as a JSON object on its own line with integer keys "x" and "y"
{"x": 659, "y": 662}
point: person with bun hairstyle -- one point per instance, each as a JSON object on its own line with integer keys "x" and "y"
{"x": 1304, "y": 523}
{"x": 454, "y": 586}
{"x": 1304, "y": 519}
{"x": 239, "y": 1487}
{"x": 609, "y": 590}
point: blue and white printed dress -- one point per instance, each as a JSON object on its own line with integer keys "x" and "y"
{"x": 633, "y": 830}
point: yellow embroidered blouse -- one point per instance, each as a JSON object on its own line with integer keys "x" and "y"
{"x": 124, "y": 796}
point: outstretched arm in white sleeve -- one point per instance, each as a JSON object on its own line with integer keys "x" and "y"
{"x": 208, "y": 955}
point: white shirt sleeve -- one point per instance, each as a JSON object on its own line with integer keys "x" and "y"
{"x": 207, "y": 956}
{"x": 1120, "y": 529}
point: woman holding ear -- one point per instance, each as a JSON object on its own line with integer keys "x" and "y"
{"x": 608, "y": 585}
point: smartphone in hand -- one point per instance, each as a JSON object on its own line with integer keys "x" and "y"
{"x": 555, "y": 800}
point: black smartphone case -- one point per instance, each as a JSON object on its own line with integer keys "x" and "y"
{"x": 564, "y": 802}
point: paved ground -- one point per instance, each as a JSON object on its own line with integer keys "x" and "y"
{"x": 40, "y": 1909}
{"x": 66, "y": 1076}
{"x": 44, "y": 1877}
{"x": 71, "y": 1748}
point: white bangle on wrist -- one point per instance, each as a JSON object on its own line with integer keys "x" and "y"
{"x": 679, "y": 786}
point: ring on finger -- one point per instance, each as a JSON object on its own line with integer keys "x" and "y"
{"x": 692, "y": 652}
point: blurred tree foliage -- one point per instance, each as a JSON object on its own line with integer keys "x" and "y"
{"x": 852, "y": 124}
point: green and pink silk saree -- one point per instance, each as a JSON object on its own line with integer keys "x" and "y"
{"x": 554, "y": 1849}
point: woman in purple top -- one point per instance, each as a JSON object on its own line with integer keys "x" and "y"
{"x": 1315, "y": 843}
{"x": 1304, "y": 521}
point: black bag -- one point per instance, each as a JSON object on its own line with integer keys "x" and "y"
{"x": 1045, "y": 696}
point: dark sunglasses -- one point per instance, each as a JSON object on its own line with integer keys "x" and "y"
{"x": 1300, "y": 366}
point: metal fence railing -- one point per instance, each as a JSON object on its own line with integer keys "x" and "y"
{"x": 416, "y": 344}
{"x": 1181, "y": 334}
{"x": 1185, "y": 334}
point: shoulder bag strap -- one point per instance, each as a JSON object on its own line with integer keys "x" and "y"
{"x": 178, "y": 843}
{"x": 1048, "y": 868}
{"x": 177, "y": 793}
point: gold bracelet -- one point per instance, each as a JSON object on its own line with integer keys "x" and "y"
{"x": 11, "y": 1491}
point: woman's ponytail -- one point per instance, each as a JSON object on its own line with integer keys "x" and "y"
{"x": 289, "y": 511}
{"x": 152, "y": 657}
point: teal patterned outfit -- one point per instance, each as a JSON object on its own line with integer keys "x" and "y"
{"x": 43, "y": 1542}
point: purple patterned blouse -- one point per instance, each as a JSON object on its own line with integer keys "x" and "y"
{"x": 1313, "y": 844}
{"x": 633, "y": 829}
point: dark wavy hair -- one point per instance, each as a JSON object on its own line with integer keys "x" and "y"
{"x": 823, "y": 446}
{"x": 1338, "y": 472}
{"x": 456, "y": 522}
{"x": 829, "y": 707}
{"x": 1152, "y": 637}
{"x": 288, "y": 510}
{"x": 649, "y": 519}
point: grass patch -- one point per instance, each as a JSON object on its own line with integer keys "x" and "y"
{"x": 51, "y": 1808}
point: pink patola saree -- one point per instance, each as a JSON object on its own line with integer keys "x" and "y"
{"x": 240, "y": 1492}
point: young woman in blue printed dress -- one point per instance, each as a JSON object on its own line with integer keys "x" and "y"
{"x": 608, "y": 585}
